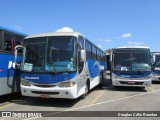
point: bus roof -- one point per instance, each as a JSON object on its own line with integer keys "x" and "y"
{"x": 133, "y": 47}
{"x": 156, "y": 53}
{"x": 76, "y": 34}
{"x": 12, "y": 31}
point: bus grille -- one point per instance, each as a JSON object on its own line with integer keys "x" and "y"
{"x": 39, "y": 92}
{"x": 45, "y": 86}
{"x": 136, "y": 83}
{"x": 132, "y": 78}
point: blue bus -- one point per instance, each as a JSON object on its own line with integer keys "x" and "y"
{"x": 60, "y": 65}
{"x": 130, "y": 66}
{"x": 9, "y": 79}
{"x": 156, "y": 66}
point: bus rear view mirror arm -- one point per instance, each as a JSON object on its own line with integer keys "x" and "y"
{"x": 16, "y": 52}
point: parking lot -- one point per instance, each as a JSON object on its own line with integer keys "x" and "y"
{"x": 107, "y": 98}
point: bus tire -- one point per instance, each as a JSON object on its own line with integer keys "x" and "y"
{"x": 101, "y": 81}
{"x": 86, "y": 90}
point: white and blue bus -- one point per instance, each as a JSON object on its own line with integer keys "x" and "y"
{"x": 156, "y": 66}
{"x": 60, "y": 65}
{"x": 9, "y": 79}
{"x": 130, "y": 66}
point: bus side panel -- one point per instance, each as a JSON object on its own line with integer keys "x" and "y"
{"x": 9, "y": 79}
{"x": 93, "y": 67}
{"x": 96, "y": 69}
{"x": 91, "y": 71}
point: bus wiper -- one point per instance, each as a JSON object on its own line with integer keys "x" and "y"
{"x": 53, "y": 72}
{"x": 53, "y": 65}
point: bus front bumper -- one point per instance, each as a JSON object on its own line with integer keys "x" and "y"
{"x": 54, "y": 92}
{"x": 156, "y": 78}
{"x": 133, "y": 83}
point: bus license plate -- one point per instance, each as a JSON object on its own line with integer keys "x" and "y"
{"x": 45, "y": 96}
{"x": 131, "y": 82}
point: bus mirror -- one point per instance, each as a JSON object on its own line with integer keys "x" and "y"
{"x": 15, "y": 65}
{"x": 16, "y": 52}
{"x": 82, "y": 55}
{"x": 110, "y": 58}
{"x": 153, "y": 59}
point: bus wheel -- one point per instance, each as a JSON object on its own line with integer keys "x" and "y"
{"x": 86, "y": 91}
{"x": 101, "y": 81}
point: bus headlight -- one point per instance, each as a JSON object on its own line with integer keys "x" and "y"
{"x": 148, "y": 77}
{"x": 67, "y": 84}
{"x": 115, "y": 76}
{"x": 25, "y": 83}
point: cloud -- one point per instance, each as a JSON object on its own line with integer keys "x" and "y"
{"x": 135, "y": 43}
{"x": 65, "y": 29}
{"x": 18, "y": 27}
{"x": 100, "y": 46}
{"x": 126, "y": 35}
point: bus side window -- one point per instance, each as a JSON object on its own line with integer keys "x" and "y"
{"x": 94, "y": 52}
{"x": 98, "y": 54}
{"x": 18, "y": 41}
{"x": 8, "y": 42}
{"x": 81, "y": 41}
{"x": 0, "y": 40}
{"x": 88, "y": 50}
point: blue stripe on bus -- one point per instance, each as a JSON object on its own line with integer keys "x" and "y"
{"x": 133, "y": 75}
{"x": 156, "y": 71}
{"x": 104, "y": 64}
{"x": 94, "y": 68}
{"x": 47, "y": 78}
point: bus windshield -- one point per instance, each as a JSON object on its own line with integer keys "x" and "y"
{"x": 122, "y": 59}
{"x": 141, "y": 60}
{"x": 50, "y": 54}
{"x": 157, "y": 61}
{"x": 135, "y": 59}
